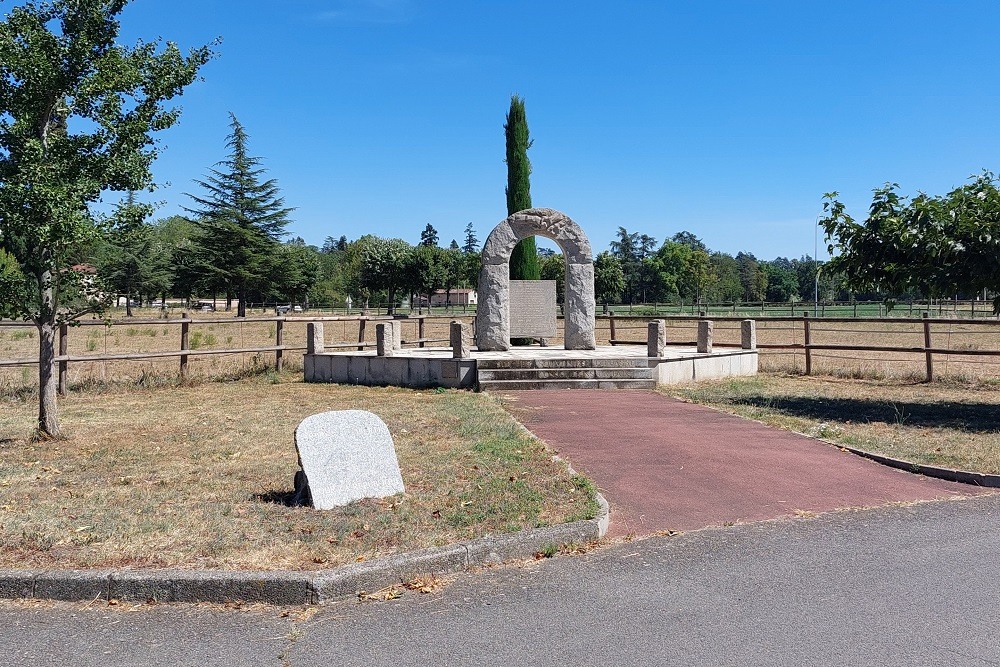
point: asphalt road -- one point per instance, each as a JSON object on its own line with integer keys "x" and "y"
{"x": 915, "y": 585}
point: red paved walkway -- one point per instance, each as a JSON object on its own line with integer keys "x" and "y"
{"x": 668, "y": 465}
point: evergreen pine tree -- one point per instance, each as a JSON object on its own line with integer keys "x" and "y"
{"x": 471, "y": 240}
{"x": 240, "y": 220}
{"x": 429, "y": 236}
{"x": 524, "y": 259}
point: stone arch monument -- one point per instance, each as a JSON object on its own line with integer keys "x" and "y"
{"x": 493, "y": 310}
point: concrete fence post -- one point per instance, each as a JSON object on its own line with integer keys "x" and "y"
{"x": 314, "y": 338}
{"x": 460, "y": 348}
{"x": 748, "y": 334}
{"x": 385, "y": 344}
{"x": 656, "y": 339}
{"x": 705, "y": 337}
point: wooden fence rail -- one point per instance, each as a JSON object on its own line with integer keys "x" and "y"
{"x": 63, "y": 359}
{"x": 617, "y": 325}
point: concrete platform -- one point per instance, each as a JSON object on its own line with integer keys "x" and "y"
{"x": 529, "y": 367}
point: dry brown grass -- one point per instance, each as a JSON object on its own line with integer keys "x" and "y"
{"x": 954, "y": 425}
{"x": 189, "y": 477}
{"x": 123, "y": 337}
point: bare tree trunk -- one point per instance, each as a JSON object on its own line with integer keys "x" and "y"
{"x": 48, "y": 408}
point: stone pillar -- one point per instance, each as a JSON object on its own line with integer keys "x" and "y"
{"x": 705, "y": 337}
{"x": 580, "y": 308}
{"x": 460, "y": 348}
{"x": 386, "y": 338}
{"x": 748, "y": 335}
{"x": 657, "y": 338}
{"x": 314, "y": 338}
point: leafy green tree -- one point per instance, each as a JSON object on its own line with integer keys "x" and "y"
{"x": 553, "y": 267}
{"x": 753, "y": 279}
{"x": 427, "y": 269}
{"x": 131, "y": 260}
{"x": 609, "y": 279}
{"x": 931, "y": 245}
{"x": 690, "y": 240}
{"x": 634, "y": 252}
{"x": 453, "y": 268}
{"x": 298, "y": 271}
{"x": 429, "y": 236}
{"x": 241, "y": 219}
{"x": 77, "y": 114}
{"x": 384, "y": 265}
{"x": 727, "y": 285}
{"x": 524, "y": 259}
{"x": 782, "y": 283}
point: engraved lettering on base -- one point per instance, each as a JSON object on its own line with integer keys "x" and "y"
{"x": 532, "y": 308}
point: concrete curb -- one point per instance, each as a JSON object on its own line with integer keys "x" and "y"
{"x": 294, "y": 588}
{"x": 949, "y": 474}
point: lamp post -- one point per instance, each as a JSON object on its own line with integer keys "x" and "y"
{"x": 816, "y": 268}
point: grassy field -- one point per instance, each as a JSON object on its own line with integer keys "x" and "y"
{"x": 944, "y": 424}
{"x": 194, "y": 477}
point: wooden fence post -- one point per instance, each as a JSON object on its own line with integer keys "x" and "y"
{"x": 807, "y": 338}
{"x": 361, "y": 334}
{"x": 611, "y": 323}
{"x": 279, "y": 340}
{"x": 63, "y": 364}
{"x": 927, "y": 347}
{"x": 421, "y": 328}
{"x": 185, "y": 331}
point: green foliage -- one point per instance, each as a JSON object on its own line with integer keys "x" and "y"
{"x": 384, "y": 264}
{"x": 752, "y": 277}
{"x": 77, "y": 114}
{"x": 429, "y": 237}
{"x": 933, "y": 245}
{"x": 471, "y": 244}
{"x": 553, "y": 267}
{"x": 132, "y": 260}
{"x": 240, "y": 221}
{"x": 524, "y": 259}
{"x": 609, "y": 279}
{"x": 634, "y": 252}
{"x": 782, "y": 280}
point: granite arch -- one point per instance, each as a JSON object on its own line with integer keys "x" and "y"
{"x": 493, "y": 309}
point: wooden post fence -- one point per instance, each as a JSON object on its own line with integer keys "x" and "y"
{"x": 361, "y": 335}
{"x": 63, "y": 364}
{"x": 807, "y": 340}
{"x": 927, "y": 346}
{"x": 279, "y": 340}
{"x": 185, "y": 335}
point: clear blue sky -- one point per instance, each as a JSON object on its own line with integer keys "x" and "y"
{"x": 728, "y": 119}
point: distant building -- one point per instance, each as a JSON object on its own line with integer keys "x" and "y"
{"x": 458, "y": 297}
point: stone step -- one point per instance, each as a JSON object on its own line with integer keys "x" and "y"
{"x": 619, "y": 362}
{"x": 520, "y": 385}
{"x": 486, "y": 374}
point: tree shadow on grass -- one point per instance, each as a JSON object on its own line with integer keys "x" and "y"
{"x": 971, "y": 417}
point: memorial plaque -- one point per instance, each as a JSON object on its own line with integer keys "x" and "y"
{"x": 532, "y": 308}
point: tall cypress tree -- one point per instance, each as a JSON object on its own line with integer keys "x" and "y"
{"x": 524, "y": 259}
